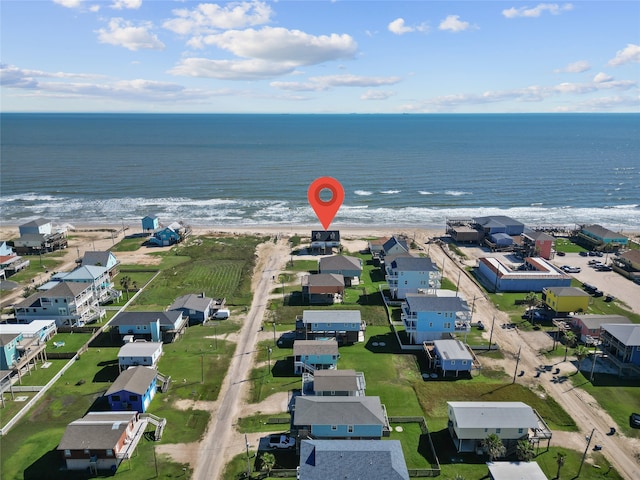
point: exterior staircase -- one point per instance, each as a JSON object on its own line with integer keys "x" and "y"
{"x": 164, "y": 382}
{"x": 158, "y": 422}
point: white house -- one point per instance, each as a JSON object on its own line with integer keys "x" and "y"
{"x": 139, "y": 353}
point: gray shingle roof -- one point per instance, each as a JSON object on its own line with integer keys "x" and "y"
{"x": 324, "y": 280}
{"x": 315, "y": 347}
{"x": 335, "y": 381}
{"x": 393, "y": 241}
{"x": 338, "y": 411}
{"x": 96, "y": 431}
{"x": 331, "y": 316}
{"x": 61, "y": 290}
{"x": 96, "y": 258}
{"x": 191, "y": 302}
{"x": 134, "y": 380}
{"x": 600, "y": 231}
{"x": 596, "y": 321}
{"x": 428, "y": 303}
{"x": 340, "y": 262}
{"x": 627, "y": 334}
{"x": 167, "y": 319}
{"x": 413, "y": 264}
{"x": 494, "y": 415}
{"x": 353, "y": 459}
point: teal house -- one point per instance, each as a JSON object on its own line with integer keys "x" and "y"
{"x": 312, "y": 355}
{"x": 150, "y": 223}
{"x": 597, "y": 237}
{"x": 10, "y": 354}
{"x": 133, "y": 390}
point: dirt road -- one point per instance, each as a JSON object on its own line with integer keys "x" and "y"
{"x": 621, "y": 451}
{"x": 219, "y": 437}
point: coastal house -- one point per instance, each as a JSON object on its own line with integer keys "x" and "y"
{"x": 515, "y": 470}
{"x": 628, "y": 264}
{"x": 464, "y": 230}
{"x": 349, "y": 267}
{"x": 563, "y": 300}
{"x": 324, "y": 241}
{"x": 101, "y": 440}
{"x": 334, "y": 383}
{"x": 6, "y": 250}
{"x": 170, "y": 235}
{"x": 133, "y": 354}
{"x": 532, "y": 275}
{"x": 537, "y": 244}
{"x": 408, "y": 274}
{"x": 621, "y": 344}
{"x": 10, "y": 355}
{"x": 471, "y": 422}
{"x": 589, "y": 326}
{"x": 20, "y": 352}
{"x": 493, "y": 224}
{"x": 355, "y": 418}
{"x": 12, "y": 264}
{"x": 96, "y": 276}
{"x": 133, "y": 390}
{"x": 376, "y": 246}
{"x": 597, "y": 237}
{"x": 104, "y": 259}
{"x": 150, "y": 223}
{"x": 313, "y": 355}
{"x": 370, "y": 459}
{"x": 346, "y": 326}
{"x": 70, "y": 304}
{"x": 323, "y": 288}
{"x": 154, "y": 326}
{"x": 39, "y": 226}
{"x": 198, "y": 308}
{"x": 395, "y": 246}
{"x": 449, "y": 355}
{"x": 38, "y": 243}
{"x": 431, "y": 317}
{"x": 41, "y": 330}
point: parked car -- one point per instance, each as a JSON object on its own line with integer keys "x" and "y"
{"x": 281, "y": 441}
{"x": 222, "y": 314}
{"x": 583, "y": 254}
{"x": 569, "y": 269}
{"x": 603, "y": 268}
{"x": 560, "y": 254}
{"x": 635, "y": 420}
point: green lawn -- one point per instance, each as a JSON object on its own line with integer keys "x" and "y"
{"x": 260, "y": 423}
{"x": 128, "y": 244}
{"x": 567, "y": 246}
{"x": 41, "y": 376}
{"x": 72, "y": 342}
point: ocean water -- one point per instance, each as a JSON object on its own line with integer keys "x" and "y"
{"x": 404, "y": 170}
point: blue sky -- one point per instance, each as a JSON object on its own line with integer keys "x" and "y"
{"x": 319, "y": 56}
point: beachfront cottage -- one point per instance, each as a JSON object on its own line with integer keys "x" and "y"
{"x": 101, "y": 440}
{"x": 323, "y": 288}
{"x": 312, "y": 355}
{"x": 621, "y": 345}
{"x": 324, "y": 241}
{"x": 349, "y": 267}
{"x": 10, "y": 355}
{"x": 563, "y": 300}
{"x": 431, "y": 317}
{"x": 471, "y": 422}
{"x": 41, "y": 330}
{"x": 154, "y": 326}
{"x": 370, "y": 459}
{"x": 198, "y": 308}
{"x": 96, "y": 276}
{"x": 12, "y": 264}
{"x": 340, "y": 418}
{"x": 70, "y": 304}
{"x": 39, "y": 226}
{"x": 395, "y": 246}
{"x": 408, "y": 274}
{"x": 376, "y": 246}
{"x": 133, "y": 354}
{"x": 596, "y": 237}
{"x": 150, "y": 223}
{"x": 449, "y": 355}
{"x": 590, "y": 326}
{"x": 346, "y": 326}
{"x": 493, "y": 224}
{"x": 532, "y": 276}
{"x": 163, "y": 237}
{"x": 133, "y": 389}
{"x": 334, "y": 383}
{"x": 628, "y": 264}
{"x": 537, "y": 244}
{"x": 101, "y": 259}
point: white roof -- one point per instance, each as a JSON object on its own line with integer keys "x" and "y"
{"x": 27, "y": 328}
{"x": 139, "y": 349}
{"x": 494, "y": 415}
{"x": 516, "y": 471}
{"x": 452, "y": 349}
{"x": 331, "y": 316}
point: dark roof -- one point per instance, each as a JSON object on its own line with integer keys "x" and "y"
{"x": 631, "y": 255}
{"x": 354, "y": 459}
{"x": 36, "y": 223}
{"x": 393, "y": 241}
{"x": 497, "y": 220}
{"x": 134, "y": 380}
{"x": 428, "y": 303}
{"x": 340, "y": 262}
{"x": 61, "y": 290}
{"x": 324, "y": 280}
{"x": 413, "y": 264}
{"x": 325, "y": 235}
{"x": 593, "y": 322}
{"x": 600, "y": 231}
{"x": 168, "y": 318}
{"x": 96, "y": 431}
{"x": 96, "y": 258}
{"x": 338, "y": 411}
{"x": 537, "y": 236}
{"x": 199, "y": 303}
{"x": 6, "y": 338}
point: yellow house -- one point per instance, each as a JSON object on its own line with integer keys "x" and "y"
{"x": 566, "y": 299}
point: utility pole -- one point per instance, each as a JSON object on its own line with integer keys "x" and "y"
{"x": 593, "y": 364}
{"x": 269, "y": 357}
{"x": 491, "y": 334}
{"x": 458, "y": 284}
{"x": 584, "y": 455}
{"x": 274, "y": 333}
{"x": 202, "y": 368}
{"x": 248, "y": 461}
{"x": 517, "y": 362}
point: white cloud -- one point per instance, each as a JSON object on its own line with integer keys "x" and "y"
{"x": 124, "y": 34}
{"x": 454, "y": 24}
{"x": 602, "y": 77}
{"x": 254, "y": 69}
{"x": 330, "y": 81}
{"x": 629, "y": 54}
{"x": 283, "y": 45}
{"x": 69, "y": 3}
{"x": 10, "y": 75}
{"x": 398, "y": 27}
{"x": 536, "y": 11}
{"x": 210, "y": 17}
{"x": 376, "y": 95}
{"x": 575, "y": 67}
{"x": 126, "y": 4}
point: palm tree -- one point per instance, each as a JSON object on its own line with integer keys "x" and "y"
{"x": 580, "y": 352}
{"x": 125, "y": 282}
{"x": 494, "y": 446}
{"x": 569, "y": 340}
{"x": 560, "y": 458}
{"x": 267, "y": 462}
{"x": 532, "y": 301}
{"x": 525, "y": 451}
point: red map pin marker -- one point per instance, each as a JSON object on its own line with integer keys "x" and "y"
{"x": 325, "y": 210}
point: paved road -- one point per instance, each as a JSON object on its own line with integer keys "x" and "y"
{"x": 212, "y": 457}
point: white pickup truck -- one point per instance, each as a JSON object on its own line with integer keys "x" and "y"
{"x": 281, "y": 441}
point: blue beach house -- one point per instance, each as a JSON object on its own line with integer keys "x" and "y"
{"x": 340, "y": 417}
{"x": 166, "y": 236}
{"x": 596, "y": 237}
{"x": 197, "y": 307}
{"x": 621, "y": 343}
{"x": 133, "y": 389}
{"x": 10, "y": 353}
{"x": 429, "y": 317}
{"x": 408, "y": 274}
{"x": 395, "y": 246}
{"x": 154, "y": 326}
{"x": 449, "y": 355}
{"x": 150, "y": 223}
{"x": 312, "y": 355}
{"x": 346, "y": 326}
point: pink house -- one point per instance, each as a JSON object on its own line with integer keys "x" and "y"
{"x": 589, "y": 325}
{"x": 539, "y": 244}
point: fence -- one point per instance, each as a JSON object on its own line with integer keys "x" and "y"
{"x": 421, "y": 472}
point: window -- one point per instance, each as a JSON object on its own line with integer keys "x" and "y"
{"x": 486, "y": 430}
{"x": 109, "y": 452}
{"x": 86, "y": 451}
{"x": 133, "y": 398}
{"x": 430, "y": 324}
{"x": 115, "y": 398}
{"x": 447, "y": 325}
{"x": 498, "y": 430}
{"x": 521, "y": 430}
{"x": 67, "y": 453}
{"x": 349, "y": 428}
{"x": 334, "y": 428}
{"x": 453, "y": 362}
{"x": 464, "y": 362}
